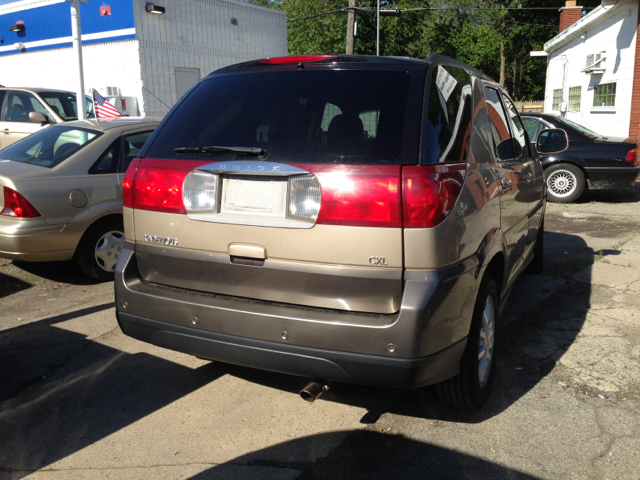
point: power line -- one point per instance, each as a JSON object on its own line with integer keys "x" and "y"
{"x": 422, "y": 9}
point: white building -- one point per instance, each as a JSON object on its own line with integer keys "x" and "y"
{"x": 151, "y": 58}
{"x": 592, "y": 65}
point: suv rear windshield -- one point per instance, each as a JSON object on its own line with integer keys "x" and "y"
{"x": 50, "y": 146}
{"x": 328, "y": 116}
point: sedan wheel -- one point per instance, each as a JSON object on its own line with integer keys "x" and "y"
{"x": 108, "y": 250}
{"x": 565, "y": 183}
{"x": 100, "y": 247}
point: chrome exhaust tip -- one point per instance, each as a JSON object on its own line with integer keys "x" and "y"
{"x": 312, "y": 391}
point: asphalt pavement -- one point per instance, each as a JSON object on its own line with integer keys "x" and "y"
{"x": 78, "y": 399}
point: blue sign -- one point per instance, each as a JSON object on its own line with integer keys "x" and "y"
{"x": 49, "y": 26}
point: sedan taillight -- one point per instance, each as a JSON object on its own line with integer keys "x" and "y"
{"x": 632, "y": 156}
{"x": 15, "y": 205}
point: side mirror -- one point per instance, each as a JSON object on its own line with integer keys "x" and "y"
{"x": 552, "y": 140}
{"x": 38, "y": 117}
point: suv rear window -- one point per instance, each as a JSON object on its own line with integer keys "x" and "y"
{"x": 329, "y": 116}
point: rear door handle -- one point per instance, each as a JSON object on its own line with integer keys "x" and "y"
{"x": 7, "y": 131}
{"x": 505, "y": 183}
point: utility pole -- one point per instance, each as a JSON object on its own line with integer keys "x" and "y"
{"x": 351, "y": 20}
{"x": 76, "y": 34}
{"x": 378, "y": 30}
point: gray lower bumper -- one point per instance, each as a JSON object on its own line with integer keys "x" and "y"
{"x": 296, "y": 360}
{"x": 428, "y": 333}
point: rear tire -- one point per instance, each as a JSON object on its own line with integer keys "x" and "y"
{"x": 537, "y": 264}
{"x": 99, "y": 249}
{"x": 565, "y": 183}
{"x": 470, "y": 389}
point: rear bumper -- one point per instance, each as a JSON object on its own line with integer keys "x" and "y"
{"x": 296, "y": 360}
{"x": 34, "y": 240}
{"x": 601, "y": 178}
{"x": 428, "y": 333}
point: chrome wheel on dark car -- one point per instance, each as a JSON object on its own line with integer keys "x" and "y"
{"x": 565, "y": 183}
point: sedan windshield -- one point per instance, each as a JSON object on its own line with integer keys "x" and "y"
{"x": 64, "y": 104}
{"x": 50, "y": 146}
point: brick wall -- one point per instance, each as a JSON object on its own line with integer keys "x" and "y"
{"x": 569, "y": 16}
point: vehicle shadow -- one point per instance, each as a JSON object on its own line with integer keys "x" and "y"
{"x": 61, "y": 272}
{"x": 363, "y": 454}
{"x": 10, "y": 285}
{"x": 546, "y": 316}
{"x": 626, "y": 195}
{"x": 53, "y": 407}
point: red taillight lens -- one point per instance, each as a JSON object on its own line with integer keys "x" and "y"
{"x": 15, "y": 205}
{"x": 362, "y": 196}
{"x": 429, "y": 193}
{"x": 127, "y": 184}
{"x": 298, "y": 59}
{"x": 632, "y": 156}
{"x": 157, "y": 184}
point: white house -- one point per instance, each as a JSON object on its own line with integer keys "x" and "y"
{"x": 150, "y": 58}
{"x": 593, "y": 73}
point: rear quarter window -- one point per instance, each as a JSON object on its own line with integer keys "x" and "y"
{"x": 447, "y": 126}
{"x": 321, "y": 116}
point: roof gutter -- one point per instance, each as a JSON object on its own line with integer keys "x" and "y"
{"x": 579, "y": 27}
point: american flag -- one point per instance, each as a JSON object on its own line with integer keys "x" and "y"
{"x": 103, "y": 108}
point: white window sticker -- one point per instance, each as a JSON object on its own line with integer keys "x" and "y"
{"x": 445, "y": 82}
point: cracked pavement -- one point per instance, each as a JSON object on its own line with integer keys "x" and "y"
{"x": 78, "y": 399}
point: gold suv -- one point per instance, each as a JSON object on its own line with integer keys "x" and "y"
{"x": 342, "y": 218}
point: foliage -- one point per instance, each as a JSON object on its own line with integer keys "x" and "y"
{"x": 459, "y": 31}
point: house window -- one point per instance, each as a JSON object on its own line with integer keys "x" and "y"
{"x": 557, "y": 99}
{"x": 605, "y": 95}
{"x": 575, "y": 94}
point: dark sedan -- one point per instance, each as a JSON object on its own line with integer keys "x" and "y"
{"x": 592, "y": 160}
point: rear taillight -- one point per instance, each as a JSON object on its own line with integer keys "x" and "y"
{"x": 15, "y": 205}
{"x": 429, "y": 193}
{"x": 156, "y": 185}
{"x": 632, "y": 156}
{"x": 362, "y": 196}
{"x": 127, "y": 184}
{"x": 297, "y": 59}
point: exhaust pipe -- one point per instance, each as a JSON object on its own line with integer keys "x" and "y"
{"x": 312, "y": 391}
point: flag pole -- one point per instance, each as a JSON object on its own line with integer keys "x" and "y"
{"x": 76, "y": 34}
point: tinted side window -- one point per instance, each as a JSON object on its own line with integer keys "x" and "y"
{"x": 516, "y": 127}
{"x": 20, "y": 104}
{"x": 2, "y": 94}
{"x": 131, "y": 148}
{"x": 108, "y": 161}
{"x": 448, "y": 124}
{"x": 500, "y": 135}
{"x": 531, "y": 125}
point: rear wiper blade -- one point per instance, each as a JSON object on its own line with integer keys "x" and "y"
{"x": 223, "y": 151}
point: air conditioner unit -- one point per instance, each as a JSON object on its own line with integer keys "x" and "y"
{"x": 595, "y": 64}
{"x": 110, "y": 91}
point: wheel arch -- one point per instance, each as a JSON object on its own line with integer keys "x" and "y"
{"x": 104, "y": 218}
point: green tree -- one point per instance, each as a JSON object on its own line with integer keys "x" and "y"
{"x": 484, "y": 39}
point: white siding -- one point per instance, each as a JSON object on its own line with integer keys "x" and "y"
{"x": 199, "y": 34}
{"x": 615, "y": 35}
{"x": 113, "y": 64}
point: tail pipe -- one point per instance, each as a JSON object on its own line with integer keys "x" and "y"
{"x": 312, "y": 391}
